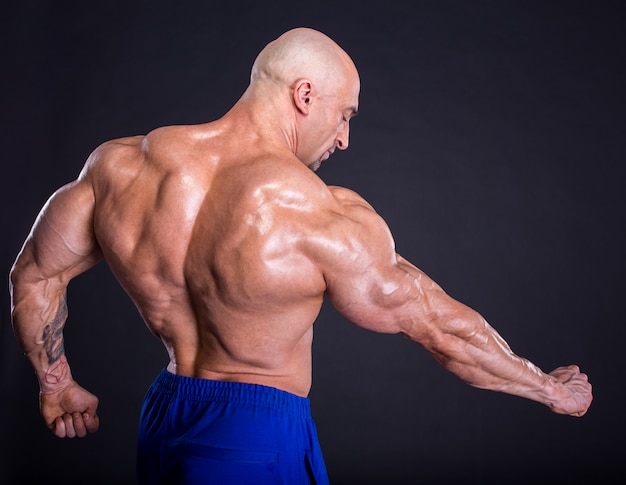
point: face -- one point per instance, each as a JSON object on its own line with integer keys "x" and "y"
{"x": 328, "y": 126}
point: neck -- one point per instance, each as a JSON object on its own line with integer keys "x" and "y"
{"x": 268, "y": 114}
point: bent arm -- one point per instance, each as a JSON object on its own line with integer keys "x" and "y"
{"x": 379, "y": 290}
{"x": 60, "y": 246}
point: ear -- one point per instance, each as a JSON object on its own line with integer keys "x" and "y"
{"x": 302, "y": 95}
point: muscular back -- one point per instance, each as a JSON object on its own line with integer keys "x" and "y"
{"x": 211, "y": 244}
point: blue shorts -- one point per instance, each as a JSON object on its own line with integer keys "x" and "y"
{"x": 211, "y": 432}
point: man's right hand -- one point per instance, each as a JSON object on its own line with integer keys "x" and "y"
{"x": 576, "y": 396}
{"x": 70, "y": 412}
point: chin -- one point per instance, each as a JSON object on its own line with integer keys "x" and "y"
{"x": 315, "y": 165}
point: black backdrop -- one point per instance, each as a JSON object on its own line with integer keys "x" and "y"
{"x": 491, "y": 138}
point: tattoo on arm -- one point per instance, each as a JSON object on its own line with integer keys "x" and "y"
{"x": 53, "y": 333}
{"x": 54, "y": 346}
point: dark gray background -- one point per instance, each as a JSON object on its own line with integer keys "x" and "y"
{"x": 491, "y": 138}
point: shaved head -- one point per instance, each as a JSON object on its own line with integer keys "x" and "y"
{"x": 303, "y": 53}
{"x": 304, "y": 88}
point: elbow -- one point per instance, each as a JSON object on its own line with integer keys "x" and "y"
{"x": 18, "y": 287}
{"x": 24, "y": 280}
{"x": 21, "y": 274}
{"x": 16, "y": 276}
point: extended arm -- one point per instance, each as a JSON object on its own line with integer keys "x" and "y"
{"x": 60, "y": 246}
{"x": 377, "y": 289}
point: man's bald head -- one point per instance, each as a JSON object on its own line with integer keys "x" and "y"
{"x": 304, "y": 53}
{"x": 304, "y": 89}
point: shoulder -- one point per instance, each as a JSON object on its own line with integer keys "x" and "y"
{"x": 349, "y": 199}
{"x": 131, "y": 148}
{"x": 293, "y": 185}
{"x": 360, "y": 215}
{"x": 279, "y": 180}
{"x": 351, "y": 234}
{"x": 113, "y": 154}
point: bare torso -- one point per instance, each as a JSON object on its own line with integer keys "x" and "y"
{"x": 209, "y": 240}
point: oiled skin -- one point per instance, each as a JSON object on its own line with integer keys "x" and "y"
{"x": 227, "y": 242}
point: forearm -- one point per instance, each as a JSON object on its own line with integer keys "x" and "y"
{"x": 470, "y": 348}
{"x": 39, "y": 312}
{"x": 462, "y": 341}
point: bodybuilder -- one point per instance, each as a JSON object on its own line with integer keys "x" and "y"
{"x": 226, "y": 240}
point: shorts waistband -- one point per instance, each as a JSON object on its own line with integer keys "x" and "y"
{"x": 199, "y": 389}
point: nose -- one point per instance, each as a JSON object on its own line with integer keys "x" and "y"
{"x": 343, "y": 137}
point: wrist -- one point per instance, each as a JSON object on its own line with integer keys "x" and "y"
{"x": 55, "y": 377}
{"x": 549, "y": 393}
